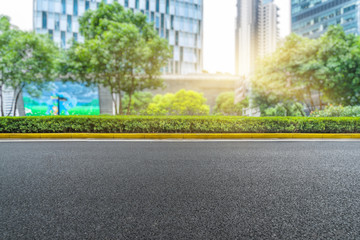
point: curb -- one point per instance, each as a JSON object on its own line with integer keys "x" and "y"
{"x": 177, "y": 136}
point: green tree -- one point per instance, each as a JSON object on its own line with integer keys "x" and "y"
{"x": 140, "y": 102}
{"x": 225, "y": 104}
{"x": 27, "y": 60}
{"x": 311, "y": 71}
{"x": 122, "y": 51}
{"x": 181, "y": 103}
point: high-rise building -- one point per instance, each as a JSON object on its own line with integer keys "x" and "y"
{"x": 311, "y": 18}
{"x": 179, "y": 21}
{"x": 257, "y": 33}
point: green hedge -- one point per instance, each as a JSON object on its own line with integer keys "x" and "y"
{"x": 213, "y": 124}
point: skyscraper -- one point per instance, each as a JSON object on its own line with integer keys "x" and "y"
{"x": 311, "y": 18}
{"x": 179, "y": 21}
{"x": 257, "y": 33}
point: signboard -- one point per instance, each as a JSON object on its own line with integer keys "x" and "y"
{"x": 63, "y": 99}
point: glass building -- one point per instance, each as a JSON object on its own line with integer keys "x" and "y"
{"x": 311, "y": 18}
{"x": 179, "y": 21}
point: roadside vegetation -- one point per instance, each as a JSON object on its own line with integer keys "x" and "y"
{"x": 177, "y": 124}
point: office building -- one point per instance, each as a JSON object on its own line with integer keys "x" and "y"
{"x": 180, "y": 21}
{"x": 311, "y": 18}
{"x": 257, "y": 33}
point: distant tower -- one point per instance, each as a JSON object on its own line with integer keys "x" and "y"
{"x": 179, "y": 21}
{"x": 312, "y": 18}
{"x": 257, "y": 33}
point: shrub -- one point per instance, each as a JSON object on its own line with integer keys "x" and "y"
{"x": 178, "y": 124}
{"x": 337, "y": 111}
{"x": 181, "y": 103}
{"x": 225, "y": 105}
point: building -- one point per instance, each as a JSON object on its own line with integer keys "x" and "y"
{"x": 180, "y": 21}
{"x": 311, "y": 18}
{"x": 256, "y": 33}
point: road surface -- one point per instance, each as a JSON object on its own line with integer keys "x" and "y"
{"x": 180, "y": 190}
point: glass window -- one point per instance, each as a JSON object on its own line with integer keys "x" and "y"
{"x": 126, "y": 3}
{"x": 162, "y": 21}
{"x": 63, "y": 40}
{"x": 63, "y": 6}
{"x": 69, "y": 27}
{"x": 147, "y": 4}
{"x": 57, "y": 22}
{"x": 44, "y": 20}
{"x": 75, "y": 7}
{"x": 167, "y": 6}
{"x": 158, "y": 5}
{"x": 152, "y": 17}
{"x": 87, "y": 5}
{"x": 51, "y": 34}
{"x": 75, "y": 36}
{"x": 137, "y": 4}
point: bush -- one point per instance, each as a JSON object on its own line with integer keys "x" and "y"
{"x": 181, "y": 103}
{"x": 185, "y": 124}
{"x": 285, "y": 109}
{"x": 225, "y": 105}
{"x": 337, "y": 111}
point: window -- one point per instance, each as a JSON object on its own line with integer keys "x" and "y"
{"x": 75, "y": 36}
{"x": 177, "y": 38}
{"x": 44, "y": 20}
{"x": 152, "y": 17}
{"x": 63, "y": 6}
{"x": 63, "y": 40}
{"x": 158, "y": 5}
{"x": 75, "y": 7}
{"x": 137, "y": 4}
{"x": 147, "y": 4}
{"x": 57, "y": 22}
{"x": 167, "y": 6}
{"x": 172, "y": 22}
{"x": 51, "y": 34}
{"x": 162, "y": 20}
{"x": 87, "y": 5}
{"x": 69, "y": 27}
{"x": 126, "y": 3}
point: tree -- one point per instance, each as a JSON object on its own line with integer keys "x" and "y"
{"x": 26, "y": 60}
{"x": 311, "y": 71}
{"x": 122, "y": 51}
{"x": 181, "y": 103}
{"x": 140, "y": 102}
{"x": 225, "y": 104}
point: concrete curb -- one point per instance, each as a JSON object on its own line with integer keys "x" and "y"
{"x": 177, "y": 136}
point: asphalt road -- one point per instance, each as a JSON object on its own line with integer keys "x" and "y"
{"x": 180, "y": 190}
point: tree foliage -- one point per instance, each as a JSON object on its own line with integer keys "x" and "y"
{"x": 311, "y": 71}
{"x": 122, "y": 51}
{"x": 27, "y": 60}
{"x": 181, "y": 103}
{"x": 225, "y": 105}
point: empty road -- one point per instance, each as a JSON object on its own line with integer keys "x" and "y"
{"x": 180, "y": 190}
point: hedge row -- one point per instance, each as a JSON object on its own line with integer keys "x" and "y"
{"x": 138, "y": 124}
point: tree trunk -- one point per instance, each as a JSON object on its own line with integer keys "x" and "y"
{"x": 129, "y": 105}
{"x": 16, "y": 99}
{"x": 311, "y": 99}
{"x": 114, "y": 101}
{"x": 121, "y": 103}
{"x": 1, "y": 101}
{"x": 320, "y": 102}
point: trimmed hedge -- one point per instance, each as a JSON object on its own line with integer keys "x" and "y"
{"x": 186, "y": 124}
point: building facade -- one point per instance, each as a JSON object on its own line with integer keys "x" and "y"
{"x": 311, "y": 18}
{"x": 179, "y": 21}
{"x": 256, "y": 33}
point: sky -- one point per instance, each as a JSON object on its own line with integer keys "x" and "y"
{"x": 219, "y": 28}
